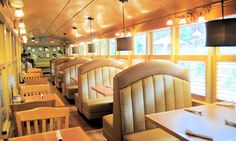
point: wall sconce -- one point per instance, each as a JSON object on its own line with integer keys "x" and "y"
{"x": 169, "y": 22}
{"x": 21, "y": 24}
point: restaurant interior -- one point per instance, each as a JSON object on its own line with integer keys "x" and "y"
{"x": 117, "y": 70}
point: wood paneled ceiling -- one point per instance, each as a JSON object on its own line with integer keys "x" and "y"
{"x": 51, "y": 18}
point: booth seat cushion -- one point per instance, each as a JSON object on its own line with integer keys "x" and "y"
{"x": 102, "y": 104}
{"x": 71, "y": 90}
{"x": 156, "y": 134}
{"x": 107, "y": 123}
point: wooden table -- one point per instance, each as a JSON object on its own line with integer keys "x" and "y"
{"x": 69, "y": 134}
{"x": 75, "y": 79}
{"x": 46, "y": 97}
{"x": 211, "y": 123}
{"x": 104, "y": 90}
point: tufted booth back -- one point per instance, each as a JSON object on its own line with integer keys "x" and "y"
{"x": 96, "y": 72}
{"x": 147, "y": 88}
{"x": 71, "y": 69}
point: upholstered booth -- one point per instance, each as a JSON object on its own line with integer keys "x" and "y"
{"x": 58, "y": 78}
{"x": 146, "y": 88}
{"x": 97, "y": 72}
{"x": 70, "y": 70}
{"x": 52, "y": 67}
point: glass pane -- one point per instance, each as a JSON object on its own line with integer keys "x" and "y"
{"x": 226, "y": 80}
{"x": 197, "y": 72}
{"x": 227, "y": 50}
{"x": 162, "y": 42}
{"x": 193, "y": 39}
{"x": 140, "y": 44}
{"x": 96, "y": 45}
{"x": 104, "y": 47}
{"x": 112, "y": 43}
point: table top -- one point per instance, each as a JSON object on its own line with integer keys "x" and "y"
{"x": 211, "y": 123}
{"x": 69, "y": 134}
{"x": 75, "y": 79}
{"x": 46, "y": 97}
{"x": 104, "y": 90}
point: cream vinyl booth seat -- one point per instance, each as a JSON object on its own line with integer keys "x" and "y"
{"x": 71, "y": 70}
{"x": 97, "y": 72}
{"x": 58, "y": 79}
{"x": 143, "y": 89}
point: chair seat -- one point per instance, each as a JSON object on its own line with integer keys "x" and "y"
{"x": 97, "y": 105}
{"x": 156, "y": 134}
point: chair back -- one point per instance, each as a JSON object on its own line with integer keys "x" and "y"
{"x": 36, "y": 81}
{"x": 28, "y": 106}
{"x": 34, "y": 70}
{"x": 147, "y": 88}
{"x": 31, "y": 90}
{"x": 30, "y": 76}
{"x": 58, "y": 118}
{"x": 96, "y": 72}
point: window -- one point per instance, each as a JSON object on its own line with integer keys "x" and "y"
{"x": 162, "y": 42}
{"x": 227, "y": 50}
{"x": 96, "y": 46}
{"x": 226, "y": 80}
{"x": 192, "y": 40}
{"x": 197, "y": 72}
{"x": 104, "y": 47}
{"x": 81, "y": 50}
{"x": 140, "y": 44}
{"x": 112, "y": 47}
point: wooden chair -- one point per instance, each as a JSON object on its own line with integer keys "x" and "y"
{"x": 34, "y": 70}
{"x": 31, "y": 90}
{"x": 39, "y": 116}
{"x": 36, "y": 81}
{"x": 28, "y": 106}
{"x": 30, "y": 76}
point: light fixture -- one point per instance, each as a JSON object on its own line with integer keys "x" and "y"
{"x": 221, "y": 32}
{"x": 16, "y": 3}
{"x": 201, "y": 19}
{"x": 21, "y": 24}
{"x": 24, "y": 39}
{"x": 19, "y": 13}
{"x": 124, "y": 43}
{"x": 117, "y": 34}
{"x": 91, "y": 47}
{"x": 169, "y": 22}
{"x": 182, "y": 21}
{"x": 75, "y": 50}
{"x": 32, "y": 39}
{"x": 22, "y": 31}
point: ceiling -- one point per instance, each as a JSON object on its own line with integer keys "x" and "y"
{"x": 51, "y": 18}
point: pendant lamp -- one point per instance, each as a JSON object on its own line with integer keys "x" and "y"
{"x": 91, "y": 47}
{"x": 16, "y": 3}
{"x": 221, "y": 32}
{"x": 124, "y": 43}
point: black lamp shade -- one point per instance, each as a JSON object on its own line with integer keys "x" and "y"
{"x": 74, "y": 50}
{"x": 221, "y": 32}
{"x": 91, "y": 48}
{"x": 124, "y": 43}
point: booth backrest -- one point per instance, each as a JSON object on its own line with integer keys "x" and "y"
{"x": 96, "y": 72}
{"x": 71, "y": 69}
{"x": 147, "y": 88}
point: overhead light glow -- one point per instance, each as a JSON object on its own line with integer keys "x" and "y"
{"x": 122, "y": 34}
{"x": 117, "y": 34}
{"x": 201, "y": 19}
{"x": 22, "y": 31}
{"x": 16, "y": 3}
{"x": 21, "y": 24}
{"x": 169, "y": 22}
{"x": 182, "y": 21}
{"x": 129, "y": 34}
{"x": 19, "y": 13}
